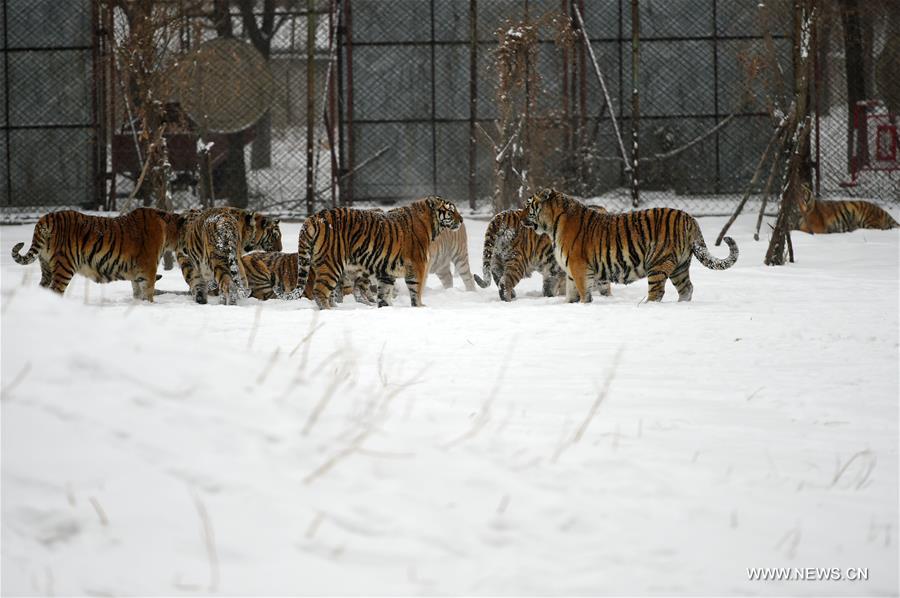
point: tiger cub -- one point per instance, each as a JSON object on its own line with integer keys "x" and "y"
{"x": 656, "y": 244}
{"x": 818, "y": 216}
{"x": 126, "y": 247}
{"x": 451, "y": 247}
{"x": 272, "y": 274}
{"x": 512, "y": 252}
{"x": 388, "y": 244}
{"x": 212, "y": 244}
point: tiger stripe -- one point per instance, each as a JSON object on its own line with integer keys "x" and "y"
{"x": 127, "y": 247}
{"x": 657, "y": 244}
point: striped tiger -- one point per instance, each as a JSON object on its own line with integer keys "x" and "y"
{"x": 127, "y": 247}
{"x": 388, "y": 244}
{"x": 657, "y": 244}
{"x": 819, "y": 216}
{"x": 451, "y": 247}
{"x": 272, "y": 274}
{"x": 212, "y": 243}
{"x": 513, "y": 251}
{"x": 357, "y": 281}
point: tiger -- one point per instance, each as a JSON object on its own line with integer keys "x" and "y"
{"x": 126, "y": 247}
{"x": 451, "y": 247}
{"x": 819, "y": 216}
{"x": 387, "y": 244}
{"x": 513, "y": 251}
{"x": 655, "y": 244}
{"x": 272, "y": 274}
{"x": 212, "y": 244}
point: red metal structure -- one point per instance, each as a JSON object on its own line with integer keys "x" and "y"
{"x": 872, "y": 124}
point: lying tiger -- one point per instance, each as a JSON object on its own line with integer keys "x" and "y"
{"x": 212, "y": 244}
{"x": 272, "y": 274}
{"x": 388, "y": 244}
{"x": 818, "y": 216}
{"x": 126, "y": 247}
{"x": 656, "y": 244}
{"x": 513, "y": 251}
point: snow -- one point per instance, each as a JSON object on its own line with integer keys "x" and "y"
{"x": 470, "y": 447}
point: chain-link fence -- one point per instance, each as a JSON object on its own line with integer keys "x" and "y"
{"x": 857, "y": 99}
{"x": 388, "y": 101}
{"x": 93, "y": 89}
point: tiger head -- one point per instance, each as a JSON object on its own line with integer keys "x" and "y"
{"x": 539, "y": 210}
{"x": 444, "y": 213}
{"x": 266, "y": 234}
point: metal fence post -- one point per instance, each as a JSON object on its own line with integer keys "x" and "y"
{"x": 310, "y": 100}
{"x": 473, "y": 98}
{"x": 635, "y": 100}
{"x": 348, "y": 32}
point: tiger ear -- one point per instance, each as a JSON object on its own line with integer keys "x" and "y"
{"x": 248, "y": 219}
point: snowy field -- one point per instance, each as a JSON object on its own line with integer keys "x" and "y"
{"x": 470, "y": 447}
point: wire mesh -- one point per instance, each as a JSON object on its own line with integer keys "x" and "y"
{"x": 396, "y": 102}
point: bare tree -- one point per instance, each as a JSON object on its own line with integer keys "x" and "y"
{"x": 144, "y": 51}
{"x": 519, "y": 152}
{"x": 798, "y": 171}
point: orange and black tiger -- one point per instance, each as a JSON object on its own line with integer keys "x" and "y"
{"x": 272, "y": 274}
{"x": 126, "y": 247}
{"x": 451, "y": 248}
{"x": 657, "y": 244}
{"x": 387, "y": 244}
{"x": 513, "y": 251}
{"x": 211, "y": 247}
{"x": 819, "y": 216}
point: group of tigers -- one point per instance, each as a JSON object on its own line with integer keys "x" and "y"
{"x": 236, "y": 253}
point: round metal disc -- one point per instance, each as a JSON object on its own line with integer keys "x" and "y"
{"x": 225, "y": 85}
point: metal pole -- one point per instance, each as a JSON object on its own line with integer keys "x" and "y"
{"x": 567, "y": 125}
{"x": 6, "y": 103}
{"x": 310, "y": 101}
{"x": 342, "y": 163}
{"x": 817, "y": 77}
{"x": 473, "y": 98}
{"x": 348, "y": 23}
{"x": 330, "y": 107}
{"x": 716, "y": 184}
{"x": 602, "y": 86}
{"x": 434, "y": 166}
{"x": 582, "y": 83}
{"x": 635, "y": 100}
{"x": 96, "y": 80}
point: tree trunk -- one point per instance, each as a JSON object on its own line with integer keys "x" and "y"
{"x": 856, "y": 78}
{"x": 230, "y": 178}
{"x": 799, "y": 168}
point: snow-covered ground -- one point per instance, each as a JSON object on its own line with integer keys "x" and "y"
{"x": 470, "y": 447}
